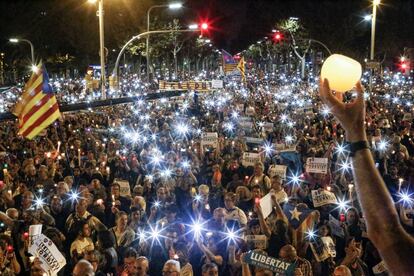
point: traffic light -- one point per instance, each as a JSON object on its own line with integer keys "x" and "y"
{"x": 204, "y": 27}
{"x": 404, "y": 64}
{"x": 278, "y": 37}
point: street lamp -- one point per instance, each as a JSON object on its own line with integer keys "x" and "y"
{"x": 101, "y": 44}
{"x": 17, "y": 40}
{"x": 375, "y": 3}
{"x": 171, "y": 6}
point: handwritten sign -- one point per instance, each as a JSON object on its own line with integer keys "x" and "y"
{"x": 256, "y": 241}
{"x": 317, "y": 165}
{"x": 323, "y": 197}
{"x": 125, "y": 189}
{"x": 51, "y": 258}
{"x": 209, "y": 139}
{"x": 276, "y": 265}
{"x": 250, "y": 159}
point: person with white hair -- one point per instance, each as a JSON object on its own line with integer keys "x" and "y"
{"x": 83, "y": 268}
{"x": 171, "y": 267}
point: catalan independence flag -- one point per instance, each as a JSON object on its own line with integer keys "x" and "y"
{"x": 242, "y": 68}
{"x": 229, "y": 63}
{"x": 37, "y": 107}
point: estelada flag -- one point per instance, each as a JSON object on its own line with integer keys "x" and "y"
{"x": 229, "y": 63}
{"x": 242, "y": 68}
{"x": 37, "y": 108}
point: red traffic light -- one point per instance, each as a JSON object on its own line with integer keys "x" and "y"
{"x": 278, "y": 37}
{"x": 204, "y": 26}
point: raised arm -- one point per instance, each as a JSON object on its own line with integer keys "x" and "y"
{"x": 395, "y": 246}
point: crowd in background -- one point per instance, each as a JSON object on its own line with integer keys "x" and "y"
{"x": 191, "y": 203}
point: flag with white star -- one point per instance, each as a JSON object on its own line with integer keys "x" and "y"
{"x": 296, "y": 214}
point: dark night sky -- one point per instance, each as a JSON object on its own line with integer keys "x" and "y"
{"x": 235, "y": 23}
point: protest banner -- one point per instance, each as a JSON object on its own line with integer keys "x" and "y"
{"x": 280, "y": 147}
{"x": 125, "y": 188}
{"x": 256, "y": 241}
{"x": 317, "y": 165}
{"x": 52, "y": 261}
{"x": 184, "y": 85}
{"x": 250, "y": 158}
{"x": 278, "y": 266}
{"x": 323, "y": 197}
{"x": 253, "y": 140}
{"x": 336, "y": 228}
{"x": 217, "y": 84}
{"x": 279, "y": 170}
{"x": 380, "y": 269}
{"x": 209, "y": 139}
{"x": 266, "y": 205}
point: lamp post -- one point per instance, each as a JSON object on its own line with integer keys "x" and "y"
{"x": 17, "y": 40}
{"x": 375, "y": 3}
{"x": 192, "y": 28}
{"x": 172, "y": 6}
{"x": 101, "y": 44}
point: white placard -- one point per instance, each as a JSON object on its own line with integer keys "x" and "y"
{"x": 250, "y": 159}
{"x": 379, "y": 268}
{"x": 125, "y": 188}
{"x": 209, "y": 139}
{"x": 50, "y": 257}
{"x": 217, "y": 84}
{"x": 246, "y": 124}
{"x": 317, "y": 165}
{"x": 279, "y": 170}
{"x": 268, "y": 126}
{"x": 253, "y": 140}
{"x": 323, "y": 197}
{"x": 258, "y": 241}
{"x": 266, "y": 205}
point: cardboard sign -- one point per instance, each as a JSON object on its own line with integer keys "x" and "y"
{"x": 336, "y": 228}
{"x": 209, "y": 139}
{"x": 44, "y": 249}
{"x": 323, "y": 197}
{"x": 276, "y": 265}
{"x": 256, "y": 241}
{"x": 217, "y": 84}
{"x": 266, "y": 205}
{"x": 250, "y": 159}
{"x": 125, "y": 189}
{"x": 380, "y": 269}
{"x": 253, "y": 140}
{"x": 279, "y": 170}
{"x": 317, "y": 165}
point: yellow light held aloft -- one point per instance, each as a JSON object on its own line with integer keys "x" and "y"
{"x": 342, "y": 72}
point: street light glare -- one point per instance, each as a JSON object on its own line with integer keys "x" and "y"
{"x": 34, "y": 68}
{"x": 193, "y": 27}
{"x": 14, "y": 40}
{"x": 376, "y": 2}
{"x": 175, "y": 6}
{"x": 367, "y": 17}
{"x": 92, "y": 1}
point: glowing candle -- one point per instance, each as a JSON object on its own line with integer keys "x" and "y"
{"x": 342, "y": 72}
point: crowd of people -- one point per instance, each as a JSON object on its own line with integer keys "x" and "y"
{"x": 190, "y": 185}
